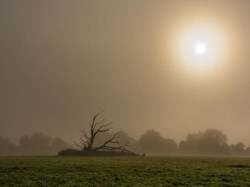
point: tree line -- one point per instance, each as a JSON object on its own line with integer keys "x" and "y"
{"x": 35, "y": 144}
{"x": 209, "y": 142}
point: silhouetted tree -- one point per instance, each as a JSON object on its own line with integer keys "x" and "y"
{"x": 97, "y": 127}
{"x": 151, "y": 142}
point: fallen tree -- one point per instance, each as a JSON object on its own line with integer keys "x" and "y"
{"x": 89, "y": 146}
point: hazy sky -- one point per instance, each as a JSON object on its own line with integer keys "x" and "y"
{"x": 63, "y": 61}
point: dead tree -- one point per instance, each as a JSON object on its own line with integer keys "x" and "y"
{"x": 87, "y": 140}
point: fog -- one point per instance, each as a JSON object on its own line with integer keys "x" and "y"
{"x": 63, "y": 61}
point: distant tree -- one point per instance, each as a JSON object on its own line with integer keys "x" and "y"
{"x": 37, "y": 143}
{"x": 192, "y": 144}
{"x": 211, "y": 141}
{"x": 58, "y": 144}
{"x": 7, "y": 147}
{"x": 41, "y": 144}
{"x": 237, "y": 149}
{"x": 247, "y": 151}
{"x": 132, "y": 144}
{"x": 25, "y": 144}
{"x": 98, "y": 127}
{"x": 153, "y": 143}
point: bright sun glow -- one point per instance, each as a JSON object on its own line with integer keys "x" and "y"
{"x": 200, "y": 49}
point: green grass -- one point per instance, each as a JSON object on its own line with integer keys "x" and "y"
{"x": 124, "y": 171}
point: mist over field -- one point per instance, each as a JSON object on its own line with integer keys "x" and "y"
{"x": 63, "y": 61}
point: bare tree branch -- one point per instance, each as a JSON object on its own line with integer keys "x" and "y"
{"x": 97, "y": 127}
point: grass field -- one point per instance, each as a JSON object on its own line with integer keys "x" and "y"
{"x": 124, "y": 171}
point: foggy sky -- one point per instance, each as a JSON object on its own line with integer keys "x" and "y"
{"x": 63, "y": 61}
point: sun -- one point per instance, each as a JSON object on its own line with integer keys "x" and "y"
{"x": 200, "y": 48}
